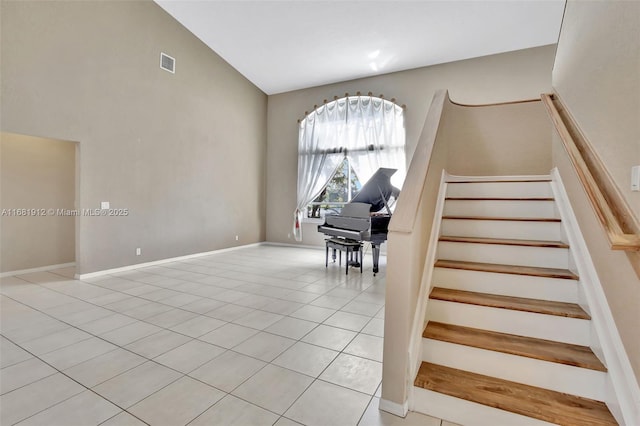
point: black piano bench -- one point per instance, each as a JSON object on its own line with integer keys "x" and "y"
{"x": 350, "y": 247}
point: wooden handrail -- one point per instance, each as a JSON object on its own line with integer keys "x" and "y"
{"x": 523, "y": 101}
{"x": 612, "y": 211}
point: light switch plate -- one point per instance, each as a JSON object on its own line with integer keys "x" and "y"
{"x": 104, "y": 205}
{"x": 635, "y": 178}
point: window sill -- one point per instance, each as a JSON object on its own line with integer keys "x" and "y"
{"x": 315, "y": 220}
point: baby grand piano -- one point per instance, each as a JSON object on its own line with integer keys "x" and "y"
{"x": 362, "y": 218}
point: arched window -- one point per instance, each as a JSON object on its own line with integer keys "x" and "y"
{"x": 350, "y": 138}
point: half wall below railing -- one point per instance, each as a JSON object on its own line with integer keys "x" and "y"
{"x": 410, "y": 223}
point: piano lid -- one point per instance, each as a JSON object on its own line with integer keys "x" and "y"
{"x": 378, "y": 186}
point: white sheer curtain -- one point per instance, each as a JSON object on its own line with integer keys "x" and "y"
{"x": 369, "y": 130}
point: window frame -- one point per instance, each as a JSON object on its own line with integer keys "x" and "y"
{"x": 349, "y": 191}
{"x": 357, "y": 106}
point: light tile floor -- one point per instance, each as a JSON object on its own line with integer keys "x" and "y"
{"x": 258, "y": 336}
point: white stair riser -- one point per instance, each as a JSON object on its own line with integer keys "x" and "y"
{"x": 556, "y": 289}
{"x": 502, "y": 208}
{"x": 541, "y": 326}
{"x": 465, "y": 412}
{"x": 519, "y": 230}
{"x": 499, "y": 189}
{"x": 549, "y": 375}
{"x": 545, "y": 257}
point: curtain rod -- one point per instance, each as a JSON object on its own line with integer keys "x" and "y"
{"x": 346, "y": 95}
{"x": 343, "y": 150}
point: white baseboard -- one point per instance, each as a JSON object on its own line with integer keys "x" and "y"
{"x": 394, "y": 408}
{"x": 383, "y": 250}
{"x": 626, "y": 401}
{"x": 161, "y": 261}
{"x": 39, "y": 269}
{"x": 273, "y": 243}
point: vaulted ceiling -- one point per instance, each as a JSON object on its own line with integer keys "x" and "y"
{"x": 287, "y": 45}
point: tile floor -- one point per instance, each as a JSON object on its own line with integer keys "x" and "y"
{"x": 258, "y": 336}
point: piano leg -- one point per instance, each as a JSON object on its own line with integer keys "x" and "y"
{"x": 375, "y": 251}
{"x": 346, "y": 261}
{"x": 326, "y": 257}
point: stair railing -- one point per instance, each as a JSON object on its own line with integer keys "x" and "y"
{"x": 616, "y": 217}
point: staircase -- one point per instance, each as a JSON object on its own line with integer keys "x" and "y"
{"x": 506, "y": 341}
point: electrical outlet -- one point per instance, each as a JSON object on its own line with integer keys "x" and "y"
{"x": 138, "y": 251}
{"x": 236, "y": 238}
{"x": 104, "y": 205}
{"x": 635, "y": 178}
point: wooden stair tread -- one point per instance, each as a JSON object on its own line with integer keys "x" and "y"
{"x": 500, "y": 198}
{"x": 512, "y": 219}
{"x": 545, "y": 350}
{"x": 546, "y": 307}
{"x": 507, "y": 269}
{"x": 530, "y": 401}
{"x": 504, "y": 241}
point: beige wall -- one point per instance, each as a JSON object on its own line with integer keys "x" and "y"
{"x": 498, "y": 78}
{"x": 36, "y": 173}
{"x": 597, "y": 75}
{"x": 508, "y": 139}
{"x": 185, "y": 153}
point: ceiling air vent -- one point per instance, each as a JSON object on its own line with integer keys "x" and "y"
{"x": 167, "y": 63}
